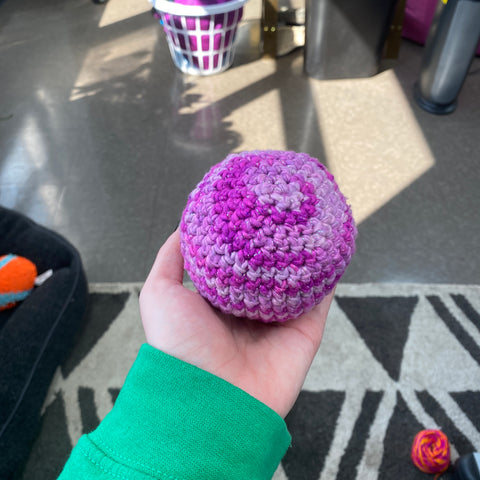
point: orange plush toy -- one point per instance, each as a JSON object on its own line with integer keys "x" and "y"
{"x": 17, "y": 278}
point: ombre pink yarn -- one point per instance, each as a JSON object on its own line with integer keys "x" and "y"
{"x": 267, "y": 234}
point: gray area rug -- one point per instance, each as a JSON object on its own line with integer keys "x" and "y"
{"x": 395, "y": 359}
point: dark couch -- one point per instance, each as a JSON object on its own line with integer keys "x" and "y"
{"x": 36, "y": 335}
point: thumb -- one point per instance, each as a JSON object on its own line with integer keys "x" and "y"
{"x": 168, "y": 265}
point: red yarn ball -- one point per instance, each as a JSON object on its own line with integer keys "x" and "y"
{"x": 431, "y": 451}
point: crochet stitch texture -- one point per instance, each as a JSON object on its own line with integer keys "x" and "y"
{"x": 267, "y": 234}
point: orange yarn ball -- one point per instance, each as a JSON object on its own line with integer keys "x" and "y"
{"x": 431, "y": 451}
{"x": 17, "y": 278}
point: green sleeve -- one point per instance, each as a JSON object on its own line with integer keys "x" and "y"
{"x": 174, "y": 421}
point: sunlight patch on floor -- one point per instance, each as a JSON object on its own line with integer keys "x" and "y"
{"x": 373, "y": 143}
{"x": 112, "y": 64}
{"x": 242, "y": 97}
{"x": 119, "y": 10}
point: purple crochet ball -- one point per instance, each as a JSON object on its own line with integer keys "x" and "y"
{"x": 266, "y": 235}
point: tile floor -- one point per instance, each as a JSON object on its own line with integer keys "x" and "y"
{"x": 102, "y": 139}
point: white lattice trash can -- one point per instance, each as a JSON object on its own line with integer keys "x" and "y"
{"x": 200, "y": 33}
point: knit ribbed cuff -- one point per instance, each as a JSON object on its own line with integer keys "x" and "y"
{"x": 173, "y": 420}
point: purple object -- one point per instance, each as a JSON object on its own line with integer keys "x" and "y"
{"x": 214, "y": 45}
{"x": 418, "y": 20}
{"x": 201, "y": 2}
{"x": 267, "y": 234}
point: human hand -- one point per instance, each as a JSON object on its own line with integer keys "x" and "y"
{"x": 268, "y": 361}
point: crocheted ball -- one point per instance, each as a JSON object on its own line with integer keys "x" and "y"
{"x": 17, "y": 277}
{"x": 431, "y": 451}
{"x": 266, "y": 235}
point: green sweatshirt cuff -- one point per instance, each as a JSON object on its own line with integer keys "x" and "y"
{"x": 174, "y": 421}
